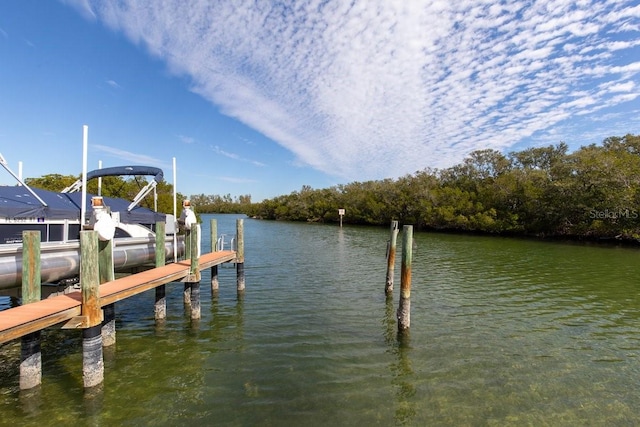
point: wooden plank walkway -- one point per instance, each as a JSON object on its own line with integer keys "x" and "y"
{"x": 19, "y": 321}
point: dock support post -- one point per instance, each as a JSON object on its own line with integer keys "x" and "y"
{"x": 160, "y": 307}
{"x": 240, "y": 255}
{"x": 107, "y": 274}
{"x": 92, "y": 357}
{"x": 30, "y": 354}
{"x": 186, "y": 295}
{"x": 214, "y": 248}
{"x": 404, "y": 309}
{"x": 194, "y": 274}
{"x": 391, "y": 258}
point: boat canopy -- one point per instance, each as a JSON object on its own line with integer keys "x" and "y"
{"x": 127, "y": 170}
{"x": 120, "y": 171}
{"x": 17, "y": 203}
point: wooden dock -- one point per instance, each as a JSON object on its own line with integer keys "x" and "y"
{"x": 19, "y": 321}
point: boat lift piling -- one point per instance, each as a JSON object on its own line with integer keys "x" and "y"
{"x": 193, "y": 280}
{"x": 160, "y": 307}
{"x": 240, "y": 257}
{"x": 215, "y": 285}
{"x": 106, "y": 273}
{"x": 30, "y": 354}
{"x": 91, "y": 312}
{"x": 186, "y": 293}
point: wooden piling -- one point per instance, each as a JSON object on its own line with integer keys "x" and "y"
{"x": 391, "y": 257}
{"x": 194, "y": 275}
{"x": 92, "y": 357}
{"x": 30, "y": 353}
{"x": 240, "y": 255}
{"x": 107, "y": 274}
{"x": 404, "y": 308}
{"x": 186, "y": 294}
{"x": 160, "y": 308}
{"x": 214, "y": 248}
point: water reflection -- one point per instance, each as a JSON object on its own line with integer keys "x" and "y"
{"x": 403, "y": 378}
{"x": 404, "y": 381}
{"x": 30, "y": 400}
{"x": 93, "y": 404}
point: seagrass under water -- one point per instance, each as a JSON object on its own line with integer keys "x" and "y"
{"x": 503, "y": 332}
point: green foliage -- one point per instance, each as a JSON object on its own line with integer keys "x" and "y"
{"x": 221, "y": 204}
{"x": 593, "y": 192}
{"x": 51, "y": 182}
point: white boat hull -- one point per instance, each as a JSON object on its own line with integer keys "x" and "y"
{"x": 59, "y": 261}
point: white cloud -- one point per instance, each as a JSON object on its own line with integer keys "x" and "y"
{"x": 113, "y": 84}
{"x": 186, "y": 139}
{"x": 235, "y": 180}
{"x": 235, "y": 156}
{"x": 132, "y": 158}
{"x": 383, "y": 88}
{"x": 81, "y": 6}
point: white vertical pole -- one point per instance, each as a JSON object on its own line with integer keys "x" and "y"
{"x": 175, "y": 212}
{"x": 99, "y": 179}
{"x": 83, "y": 209}
{"x": 20, "y": 170}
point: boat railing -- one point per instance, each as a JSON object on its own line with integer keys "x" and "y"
{"x": 222, "y": 244}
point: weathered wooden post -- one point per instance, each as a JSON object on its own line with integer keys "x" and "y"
{"x": 92, "y": 358}
{"x": 186, "y": 294}
{"x": 107, "y": 274}
{"x": 404, "y": 309}
{"x": 240, "y": 255}
{"x": 30, "y": 354}
{"x": 194, "y": 274}
{"x": 391, "y": 257}
{"x": 160, "y": 307}
{"x": 214, "y": 248}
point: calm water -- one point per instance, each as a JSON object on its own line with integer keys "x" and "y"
{"x": 503, "y": 332}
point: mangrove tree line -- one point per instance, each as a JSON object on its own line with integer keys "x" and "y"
{"x": 593, "y": 192}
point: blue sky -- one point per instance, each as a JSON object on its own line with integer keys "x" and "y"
{"x": 254, "y": 97}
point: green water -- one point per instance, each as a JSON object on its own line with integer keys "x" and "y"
{"x": 503, "y": 332}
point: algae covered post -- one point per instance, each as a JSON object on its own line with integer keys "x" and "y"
{"x": 194, "y": 274}
{"x": 240, "y": 255}
{"x": 404, "y": 309}
{"x": 391, "y": 257}
{"x": 92, "y": 361}
{"x": 214, "y": 248}
{"x": 30, "y": 353}
{"x": 160, "y": 307}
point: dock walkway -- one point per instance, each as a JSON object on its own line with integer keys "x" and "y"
{"x": 19, "y": 321}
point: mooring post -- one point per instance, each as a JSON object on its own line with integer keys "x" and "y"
{"x": 92, "y": 357}
{"x": 214, "y": 248}
{"x": 391, "y": 257}
{"x": 240, "y": 255}
{"x": 194, "y": 274}
{"x": 107, "y": 274}
{"x": 30, "y": 354}
{"x": 160, "y": 307}
{"x": 404, "y": 309}
{"x": 187, "y": 253}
